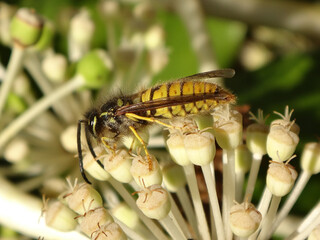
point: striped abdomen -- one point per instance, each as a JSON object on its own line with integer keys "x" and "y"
{"x": 185, "y": 97}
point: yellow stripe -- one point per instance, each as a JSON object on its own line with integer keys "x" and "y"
{"x": 161, "y": 92}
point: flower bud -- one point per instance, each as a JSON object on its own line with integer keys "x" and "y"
{"x": 126, "y": 215}
{"x": 133, "y": 143}
{"x": 177, "y": 150}
{"x": 46, "y": 36}
{"x": 26, "y": 27}
{"x": 143, "y": 174}
{"x": 60, "y": 217}
{"x": 93, "y": 167}
{"x": 68, "y": 139}
{"x": 154, "y": 37}
{"x": 118, "y": 165}
{"x": 16, "y": 150}
{"x": 110, "y": 231}
{"x": 244, "y": 219}
{"x": 256, "y": 134}
{"x": 54, "y": 67}
{"x": 200, "y": 147}
{"x": 243, "y": 159}
{"x": 281, "y": 143}
{"x": 280, "y": 178}
{"x": 95, "y": 67}
{"x": 154, "y": 202}
{"x": 92, "y": 219}
{"x": 285, "y": 121}
{"x": 81, "y": 28}
{"x": 83, "y": 198}
{"x": 310, "y": 159}
{"x": 227, "y": 128}
{"x": 173, "y": 177}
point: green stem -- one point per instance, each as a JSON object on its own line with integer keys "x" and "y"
{"x": 13, "y": 69}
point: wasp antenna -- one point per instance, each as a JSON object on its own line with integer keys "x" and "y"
{"x": 88, "y": 139}
{"x": 80, "y": 151}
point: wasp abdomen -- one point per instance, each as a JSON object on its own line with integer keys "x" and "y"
{"x": 185, "y": 97}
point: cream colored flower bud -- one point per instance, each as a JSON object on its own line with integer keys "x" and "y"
{"x": 154, "y": 202}
{"x": 243, "y": 159}
{"x": 110, "y": 231}
{"x": 227, "y": 128}
{"x": 17, "y": 150}
{"x": 244, "y": 219}
{"x": 83, "y": 198}
{"x": 92, "y": 219}
{"x": 60, "y": 217}
{"x": 154, "y": 37}
{"x": 81, "y": 28}
{"x": 200, "y": 147}
{"x": 285, "y": 121}
{"x": 173, "y": 177}
{"x": 6, "y": 13}
{"x": 158, "y": 58}
{"x": 280, "y": 178}
{"x": 109, "y": 9}
{"x": 93, "y": 167}
{"x": 256, "y": 140}
{"x": 118, "y": 165}
{"x": 310, "y": 159}
{"x": 68, "y": 139}
{"x": 145, "y": 174}
{"x": 54, "y": 67}
{"x": 315, "y": 234}
{"x": 133, "y": 143}
{"x": 127, "y": 215}
{"x": 177, "y": 150}
{"x": 281, "y": 143}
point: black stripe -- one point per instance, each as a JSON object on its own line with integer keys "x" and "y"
{"x": 183, "y": 107}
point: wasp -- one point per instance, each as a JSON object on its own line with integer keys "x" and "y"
{"x": 124, "y": 115}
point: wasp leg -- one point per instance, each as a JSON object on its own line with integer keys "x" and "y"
{"x": 149, "y": 119}
{"x": 133, "y": 130}
{"x": 104, "y": 140}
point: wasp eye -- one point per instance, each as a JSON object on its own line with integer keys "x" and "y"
{"x": 92, "y": 123}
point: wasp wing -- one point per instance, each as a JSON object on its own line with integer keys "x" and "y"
{"x": 223, "y": 73}
{"x": 172, "y": 101}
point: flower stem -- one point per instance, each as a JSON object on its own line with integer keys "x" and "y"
{"x": 171, "y": 228}
{"x": 307, "y": 225}
{"x": 228, "y": 188}
{"x": 21, "y": 212}
{"x": 39, "y": 107}
{"x": 195, "y": 195}
{"x": 178, "y": 218}
{"x": 188, "y": 209}
{"x": 34, "y": 67}
{"x": 256, "y": 161}
{"x": 157, "y": 232}
{"x": 292, "y": 198}
{"x": 13, "y": 69}
{"x": 267, "y": 222}
{"x": 211, "y": 186}
{"x": 198, "y": 33}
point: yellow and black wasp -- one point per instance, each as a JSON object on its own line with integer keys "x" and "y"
{"x": 124, "y": 115}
